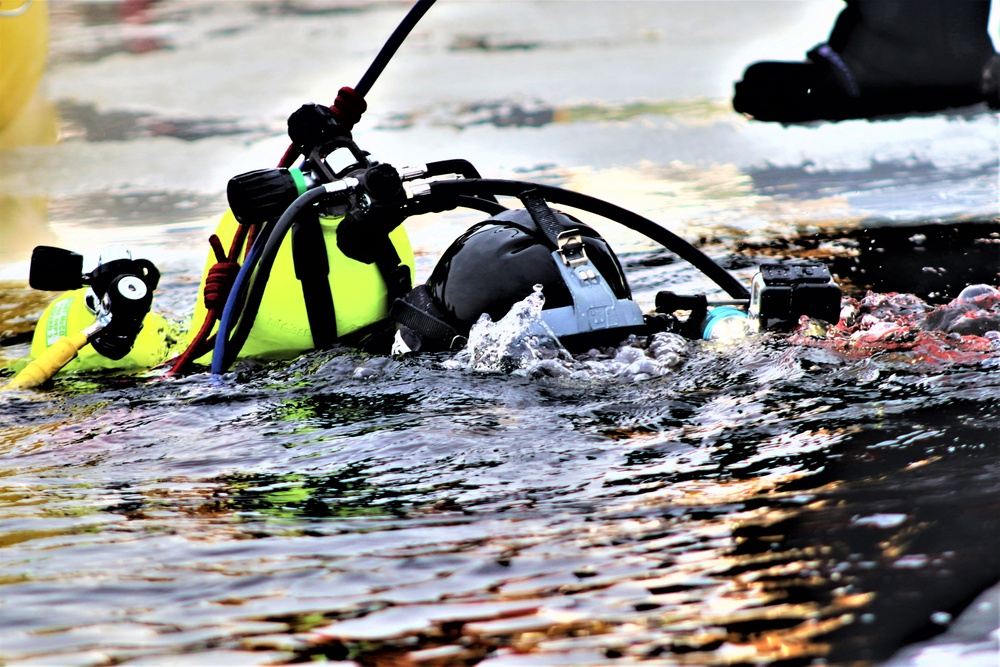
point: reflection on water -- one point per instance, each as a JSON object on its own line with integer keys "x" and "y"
{"x": 86, "y": 122}
{"x": 537, "y": 113}
{"x": 25, "y": 225}
{"x": 760, "y": 505}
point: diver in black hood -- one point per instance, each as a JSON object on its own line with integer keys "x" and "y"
{"x": 330, "y": 242}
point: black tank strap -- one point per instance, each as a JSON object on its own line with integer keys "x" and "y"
{"x": 363, "y": 235}
{"x": 416, "y": 312}
{"x": 312, "y": 268}
{"x": 396, "y": 275}
{"x": 426, "y": 325}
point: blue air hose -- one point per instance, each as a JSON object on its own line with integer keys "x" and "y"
{"x": 253, "y": 276}
{"x": 235, "y": 295}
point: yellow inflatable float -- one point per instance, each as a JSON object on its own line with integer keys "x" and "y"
{"x": 24, "y": 41}
{"x": 70, "y": 314}
{"x": 281, "y": 328}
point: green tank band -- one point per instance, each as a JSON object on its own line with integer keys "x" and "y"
{"x": 299, "y": 179}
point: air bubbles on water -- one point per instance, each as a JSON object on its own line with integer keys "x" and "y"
{"x": 977, "y": 293}
{"x": 522, "y": 343}
{"x": 941, "y": 618}
{"x": 374, "y": 368}
{"x": 518, "y": 340}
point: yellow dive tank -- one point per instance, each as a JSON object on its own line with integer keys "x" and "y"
{"x": 73, "y": 312}
{"x": 24, "y": 41}
{"x": 281, "y": 327}
{"x": 102, "y": 319}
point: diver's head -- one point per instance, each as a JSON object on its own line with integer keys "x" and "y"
{"x": 497, "y": 263}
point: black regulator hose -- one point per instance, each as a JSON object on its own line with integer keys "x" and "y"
{"x": 391, "y": 46}
{"x": 371, "y": 75}
{"x": 675, "y": 244}
{"x": 487, "y": 206}
{"x": 459, "y": 166}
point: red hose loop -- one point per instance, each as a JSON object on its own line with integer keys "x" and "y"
{"x": 218, "y": 284}
{"x": 348, "y": 107}
{"x": 288, "y": 159}
{"x": 220, "y": 277}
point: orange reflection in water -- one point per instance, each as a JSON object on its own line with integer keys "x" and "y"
{"x": 674, "y": 589}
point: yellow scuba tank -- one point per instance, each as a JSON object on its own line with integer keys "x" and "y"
{"x": 281, "y": 327}
{"x": 70, "y": 313}
{"x": 102, "y": 320}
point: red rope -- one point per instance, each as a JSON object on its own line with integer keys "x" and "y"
{"x": 220, "y": 278}
{"x": 348, "y": 107}
{"x": 289, "y": 157}
{"x": 218, "y": 283}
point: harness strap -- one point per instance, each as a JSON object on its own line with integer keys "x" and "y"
{"x": 395, "y": 274}
{"x": 543, "y": 217}
{"x": 416, "y": 312}
{"x": 426, "y": 325}
{"x": 312, "y": 268}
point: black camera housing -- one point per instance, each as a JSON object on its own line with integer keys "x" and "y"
{"x": 781, "y": 293}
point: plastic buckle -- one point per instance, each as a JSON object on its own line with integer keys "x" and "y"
{"x": 571, "y": 249}
{"x": 595, "y": 306}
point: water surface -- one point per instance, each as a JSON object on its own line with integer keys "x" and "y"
{"x": 778, "y": 501}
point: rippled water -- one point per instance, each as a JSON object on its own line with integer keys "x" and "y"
{"x": 764, "y": 502}
{"x": 780, "y": 500}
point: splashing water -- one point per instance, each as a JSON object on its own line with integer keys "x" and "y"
{"x": 519, "y": 340}
{"x": 522, "y": 343}
{"x": 966, "y": 330}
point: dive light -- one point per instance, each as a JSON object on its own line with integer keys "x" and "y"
{"x": 780, "y": 294}
{"x": 724, "y": 324}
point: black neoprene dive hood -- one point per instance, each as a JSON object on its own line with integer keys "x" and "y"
{"x": 500, "y": 261}
{"x": 497, "y": 262}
